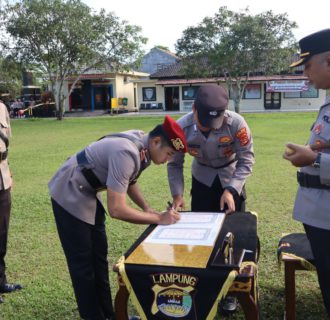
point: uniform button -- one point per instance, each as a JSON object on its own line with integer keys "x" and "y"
{"x": 81, "y": 187}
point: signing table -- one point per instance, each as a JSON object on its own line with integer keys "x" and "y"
{"x": 180, "y": 280}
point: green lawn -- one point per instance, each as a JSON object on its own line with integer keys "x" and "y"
{"x": 35, "y": 258}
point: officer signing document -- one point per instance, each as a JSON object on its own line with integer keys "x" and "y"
{"x": 113, "y": 164}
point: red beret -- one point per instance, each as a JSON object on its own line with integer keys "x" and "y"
{"x": 175, "y": 134}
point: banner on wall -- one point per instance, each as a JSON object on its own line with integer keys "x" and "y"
{"x": 286, "y": 86}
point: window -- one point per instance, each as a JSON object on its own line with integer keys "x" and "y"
{"x": 310, "y": 93}
{"x": 149, "y": 94}
{"x": 189, "y": 93}
{"x": 252, "y": 91}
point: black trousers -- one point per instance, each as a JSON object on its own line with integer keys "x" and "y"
{"x": 85, "y": 247}
{"x": 5, "y": 207}
{"x": 207, "y": 199}
{"x": 320, "y": 244}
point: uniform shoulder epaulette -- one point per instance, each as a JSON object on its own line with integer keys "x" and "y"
{"x": 187, "y": 120}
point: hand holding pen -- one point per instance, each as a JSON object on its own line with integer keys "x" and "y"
{"x": 170, "y": 216}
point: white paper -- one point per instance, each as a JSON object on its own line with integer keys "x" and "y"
{"x": 194, "y": 228}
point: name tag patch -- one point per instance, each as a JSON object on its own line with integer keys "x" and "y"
{"x": 225, "y": 139}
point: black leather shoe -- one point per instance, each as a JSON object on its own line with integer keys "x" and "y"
{"x": 2, "y": 300}
{"x": 10, "y": 287}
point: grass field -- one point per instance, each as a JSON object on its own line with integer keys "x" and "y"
{"x": 35, "y": 258}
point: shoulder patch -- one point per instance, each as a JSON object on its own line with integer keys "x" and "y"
{"x": 242, "y": 136}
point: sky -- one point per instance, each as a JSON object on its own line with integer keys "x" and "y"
{"x": 163, "y": 22}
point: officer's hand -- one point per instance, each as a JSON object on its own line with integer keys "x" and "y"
{"x": 178, "y": 202}
{"x": 299, "y": 155}
{"x": 169, "y": 217}
{"x": 228, "y": 199}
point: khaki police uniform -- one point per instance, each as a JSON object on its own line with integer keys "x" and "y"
{"x": 226, "y": 154}
{"x": 312, "y": 203}
{"x": 80, "y": 216}
{"x": 5, "y": 185}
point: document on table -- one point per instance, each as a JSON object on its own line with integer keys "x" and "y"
{"x": 194, "y": 228}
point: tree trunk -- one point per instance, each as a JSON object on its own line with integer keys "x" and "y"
{"x": 237, "y": 105}
{"x": 59, "y": 111}
{"x": 59, "y": 101}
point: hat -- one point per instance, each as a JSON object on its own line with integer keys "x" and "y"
{"x": 175, "y": 134}
{"x": 211, "y": 102}
{"x": 315, "y": 43}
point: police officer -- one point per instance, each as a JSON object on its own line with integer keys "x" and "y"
{"x": 5, "y": 199}
{"x": 313, "y": 196}
{"x": 113, "y": 163}
{"x": 221, "y": 143}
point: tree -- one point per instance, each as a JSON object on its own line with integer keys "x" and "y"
{"x": 236, "y": 46}
{"x": 66, "y": 38}
{"x": 10, "y": 76}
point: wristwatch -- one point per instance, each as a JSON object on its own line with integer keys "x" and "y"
{"x": 317, "y": 162}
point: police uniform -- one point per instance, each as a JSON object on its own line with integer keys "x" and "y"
{"x": 80, "y": 216}
{"x": 222, "y": 159}
{"x": 313, "y": 195}
{"x": 114, "y": 162}
{"x": 312, "y": 202}
{"x": 5, "y": 185}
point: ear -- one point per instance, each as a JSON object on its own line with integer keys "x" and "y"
{"x": 155, "y": 141}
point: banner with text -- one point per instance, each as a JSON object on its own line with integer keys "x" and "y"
{"x": 286, "y": 86}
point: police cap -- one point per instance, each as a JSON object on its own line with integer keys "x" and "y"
{"x": 315, "y": 43}
{"x": 211, "y": 102}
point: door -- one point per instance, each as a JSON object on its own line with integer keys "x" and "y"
{"x": 272, "y": 100}
{"x": 172, "y": 102}
{"x": 100, "y": 97}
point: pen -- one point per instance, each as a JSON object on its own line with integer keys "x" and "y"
{"x": 170, "y": 205}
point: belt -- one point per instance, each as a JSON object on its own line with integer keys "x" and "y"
{"x": 310, "y": 181}
{"x": 3, "y": 155}
{"x": 88, "y": 173}
{"x": 223, "y": 166}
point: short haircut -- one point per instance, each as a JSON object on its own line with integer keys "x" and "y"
{"x": 158, "y": 131}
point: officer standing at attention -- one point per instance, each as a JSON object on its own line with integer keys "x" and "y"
{"x": 113, "y": 163}
{"x": 221, "y": 143}
{"x": 313, "y": 197}
{"x": 5, "y": 199}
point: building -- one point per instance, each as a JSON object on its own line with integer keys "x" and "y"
{"x": 102, "y": 90}
{"x": 169, "y": 88}
{"x": 157, "y": 59}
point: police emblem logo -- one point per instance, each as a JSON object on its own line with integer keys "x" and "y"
{"x": 174, "y": 302}
{"x": 173, "y": 294}
{"x": 177, "y": 143}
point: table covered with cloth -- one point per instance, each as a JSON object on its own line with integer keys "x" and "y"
{"x": 191, "y": 289}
